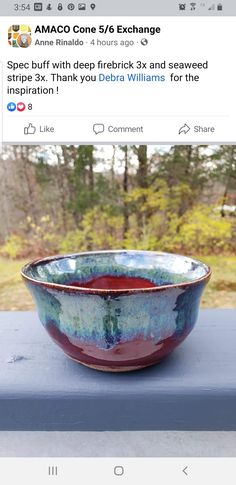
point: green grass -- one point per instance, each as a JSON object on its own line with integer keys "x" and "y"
{"x": 220, "y": 292}
{"x": 13, "y": 292}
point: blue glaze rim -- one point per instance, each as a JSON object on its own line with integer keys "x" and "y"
{"x": 78, "y": 289}
{"x": 98, "y": 291}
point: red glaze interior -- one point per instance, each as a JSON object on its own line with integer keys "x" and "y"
{"x": 108, "y": 282}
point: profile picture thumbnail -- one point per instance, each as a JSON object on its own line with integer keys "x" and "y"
{"x": 19, "y": 35}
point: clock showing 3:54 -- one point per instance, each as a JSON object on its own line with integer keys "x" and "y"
{"x": 21, "y": 7}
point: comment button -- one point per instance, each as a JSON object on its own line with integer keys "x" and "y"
{"x": 98, "y": 128}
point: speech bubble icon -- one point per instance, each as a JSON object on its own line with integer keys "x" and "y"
{"x": 98, "y": 128}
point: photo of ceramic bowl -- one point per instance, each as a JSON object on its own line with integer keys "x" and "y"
{"x": 117, "y": 310}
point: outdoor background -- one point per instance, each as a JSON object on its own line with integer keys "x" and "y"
{"x": 61, "y": 199}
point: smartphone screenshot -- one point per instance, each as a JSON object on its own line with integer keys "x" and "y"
{"x": 117, "y": 242}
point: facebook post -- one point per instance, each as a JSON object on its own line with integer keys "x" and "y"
{"x": 117, "y": 242}
{"x": 116, "y": 79}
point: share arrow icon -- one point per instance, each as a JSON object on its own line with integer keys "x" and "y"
{"x": 184, "y": 129}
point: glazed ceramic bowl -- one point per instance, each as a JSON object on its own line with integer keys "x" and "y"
{"x": 117, "y": 310}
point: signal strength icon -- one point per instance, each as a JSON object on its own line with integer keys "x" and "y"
{"x": 212, "y": 7}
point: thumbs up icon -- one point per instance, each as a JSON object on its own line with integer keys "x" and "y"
{"x": 30, "y": 129}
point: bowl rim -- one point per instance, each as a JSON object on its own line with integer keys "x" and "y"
{"x": 100, "y": 291}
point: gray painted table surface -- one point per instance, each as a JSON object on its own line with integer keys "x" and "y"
{"x": 193, "y": 389}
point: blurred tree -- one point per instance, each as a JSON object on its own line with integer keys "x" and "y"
{"x": 125, "y": 190}
{"x": 225, "y": 172}
{"x": 84, "y": 197}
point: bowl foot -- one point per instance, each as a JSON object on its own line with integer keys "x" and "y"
{"x": 104, "y": 368}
